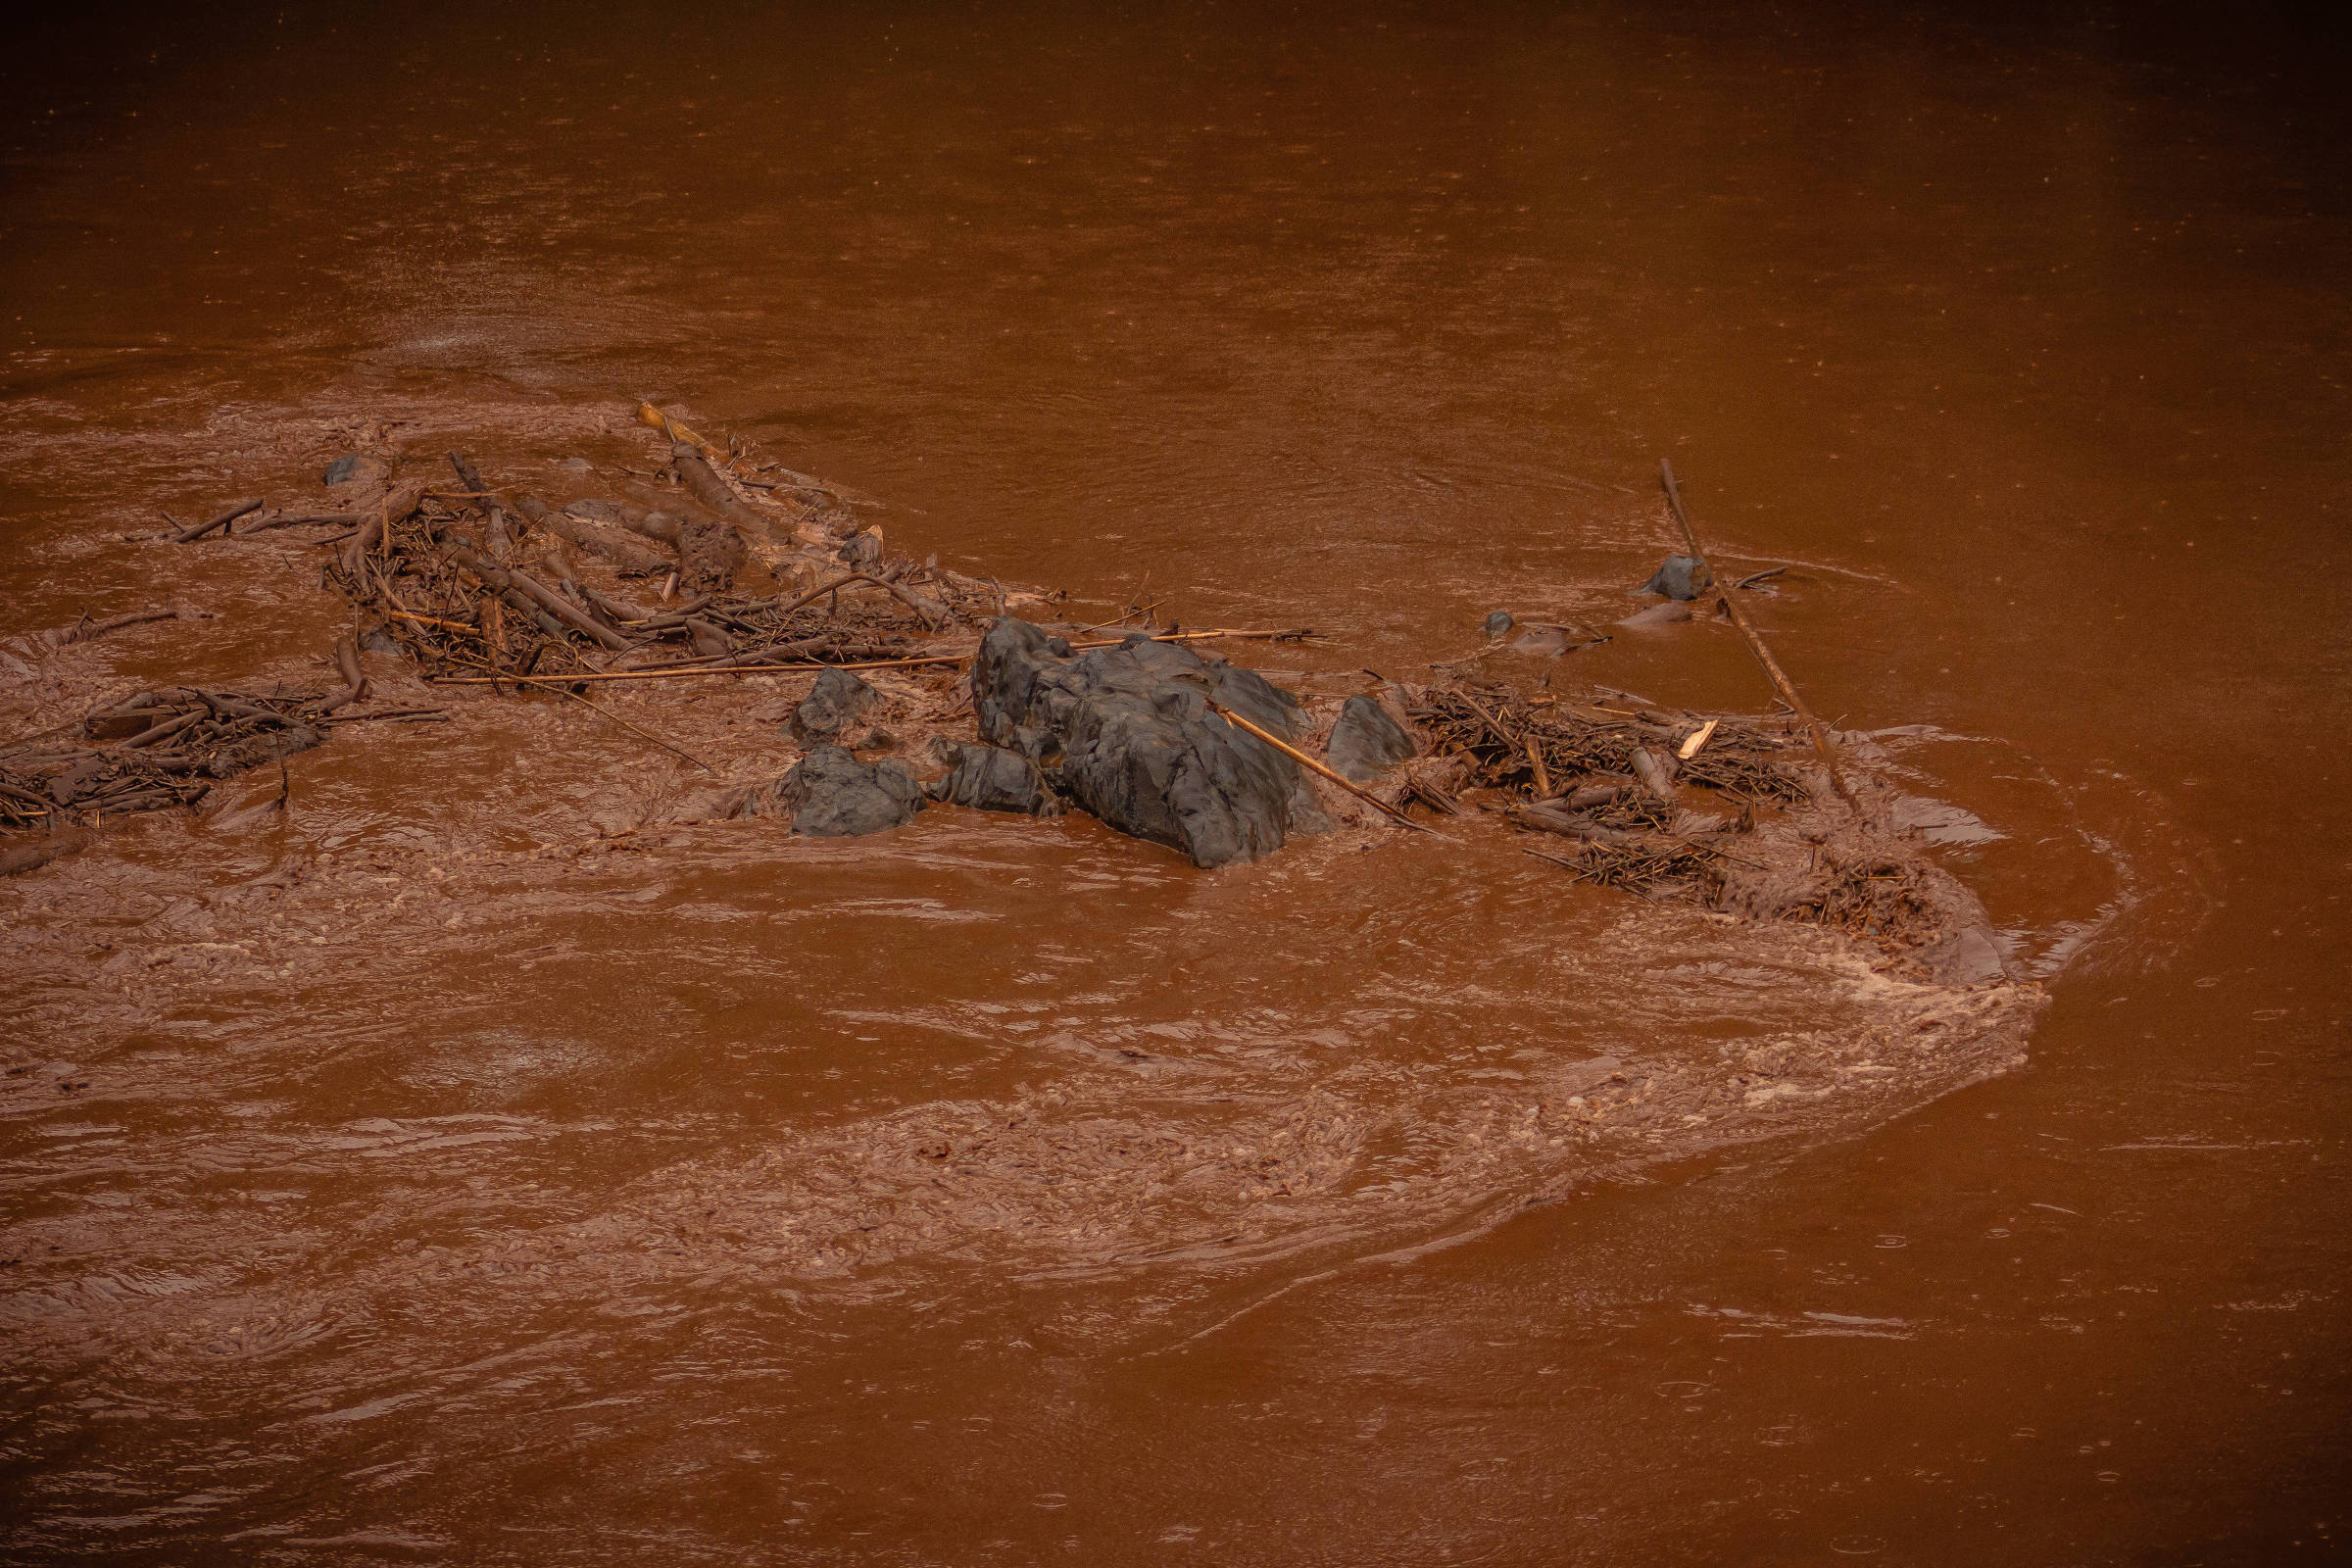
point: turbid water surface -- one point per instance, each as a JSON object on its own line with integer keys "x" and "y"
{"x": 447, "y": 1169}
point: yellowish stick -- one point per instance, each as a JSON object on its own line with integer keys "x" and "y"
{"x": 1309, "y": 762}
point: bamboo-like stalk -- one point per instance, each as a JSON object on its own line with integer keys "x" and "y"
{"x": 683, "y": 671}
{"x": 1307, "y": 761}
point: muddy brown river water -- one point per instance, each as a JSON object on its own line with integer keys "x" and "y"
{"x": 447, "y": 1169}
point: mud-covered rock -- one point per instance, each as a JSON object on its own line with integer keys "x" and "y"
{"x": 1666, "y": 614}
{"x": 1366, "y": 740}
{"x": 1128, "y": 734}
{"x": 356, "y": 467}
{"x": 836, "y": 700}
{"x": 710, "y": 553}
{"x": 1498, "y": 625}
{"x": 1683, "y": 578}
{"x": 990, "y": 778}
{"x": 830, "y": 794}
{"x": 1549, "y": 641}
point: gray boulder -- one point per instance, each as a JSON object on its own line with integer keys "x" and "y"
{"x": 1679, "y": 577}
{"x": 1127, "y": 733}
{"x": 830, "y": 794}
{"x": 1365, "y": 741}
{"x": 990, "y": 778}
{"x": 836, "y": 700}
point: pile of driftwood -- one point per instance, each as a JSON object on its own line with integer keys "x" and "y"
{"x": 1793, "y": 844}
{"x": 160, "y": 749}
{"x": 746, "y": 567}
{"x": 1607, "y": 778}
{"x": 471, "y": 581}
{"x": 741, "y": 567}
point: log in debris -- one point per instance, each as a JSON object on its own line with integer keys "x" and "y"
{"x": 222, "y": 520}
{"x": 1755, "y": 639}
{"x": 87, "y": 631}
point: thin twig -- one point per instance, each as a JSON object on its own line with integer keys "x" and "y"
{"x": 647, "y": 733}
{"x": 683, "y": 674}
{"x": 1755, "y": 639}
{"x": 592, "y": 708}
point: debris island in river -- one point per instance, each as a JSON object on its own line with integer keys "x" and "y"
{"x": 936, "y": 689}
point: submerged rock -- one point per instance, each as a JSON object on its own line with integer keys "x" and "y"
{"x": 1127, "y": 732}
{"x": 1679, "y": 577}
{"x": 1366, "y": 740}
{"x": 1657, "y": 615}
{"x": 356, "y": 467}
{"x": 835, "y": 703}
{"x": 830, "y": 794}
{"x": 1548, "y": 642}
{"x": 990, "y": 778}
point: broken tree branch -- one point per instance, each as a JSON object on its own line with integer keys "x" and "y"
{"x": 229, "y": 514}
{"x": 1755, "y": 639}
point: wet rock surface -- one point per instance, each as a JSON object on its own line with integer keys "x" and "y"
{"x": 1682, "y": 577}
{"x": 990, "y": 778}
{"x": 356, "y": 468}
{"x": 836, "y": 700}
{"x": 830, "y": 794}
{"x": 1666, "y": 614}
{"x": 1128, "y": 733}
{"x": 1366, "y": 740}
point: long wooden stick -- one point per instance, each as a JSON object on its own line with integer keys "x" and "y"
{"x": 1755, "y": 638}
{"x": 686, "y": 675}
{"x": 607, "y": 712}
{"x": 1307, "y": 761}
{"x": 228, "y": 514}
{"x": 686, "y": 671}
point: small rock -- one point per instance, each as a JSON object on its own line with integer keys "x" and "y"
{"x": 990, "y": 778}
{"x": 1665, "y": 614}
{"x": 356, "y": 467}
{"x": 830, "y": 794}
{"x": 861, "y": 552}
{"x": 1498, "y": 624}
{"x": 1366, "y": 740}
{"x": 835, "y": 703}
{"x": 1548, "y": 642}
{"x": 1682, "y": 577}
{"x": 1967, "y": 958}
{"x": 575, "y": 465}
